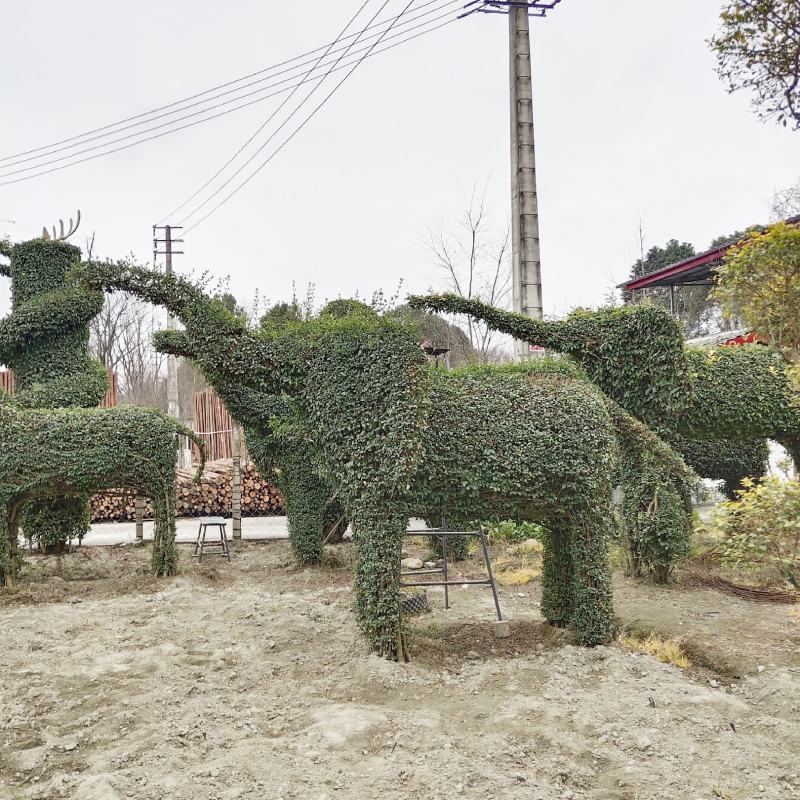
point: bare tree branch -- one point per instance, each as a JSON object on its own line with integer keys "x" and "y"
{"x": 475, "y": 263}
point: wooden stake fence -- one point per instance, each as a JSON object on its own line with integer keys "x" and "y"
{"x": 213, "y": 422}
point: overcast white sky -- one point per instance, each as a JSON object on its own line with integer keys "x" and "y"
{"x": 631, "y": 122}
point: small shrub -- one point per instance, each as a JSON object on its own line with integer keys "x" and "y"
{"x": 511, "y": 532}
{"x": 762, "y": 528}
{"x": 52, "y": 524}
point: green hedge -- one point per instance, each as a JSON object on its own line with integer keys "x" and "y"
{"x": 636, "y": 355}
{"x": 52, "y": 460}
{"x": 529, "y": 442}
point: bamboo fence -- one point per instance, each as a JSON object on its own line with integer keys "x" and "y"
{"x": 7, "y": 384}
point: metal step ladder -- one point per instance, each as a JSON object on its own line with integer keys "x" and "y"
{"x": 442, "y": 534}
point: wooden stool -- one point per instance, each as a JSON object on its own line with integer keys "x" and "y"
{"x": 212, "y": 522}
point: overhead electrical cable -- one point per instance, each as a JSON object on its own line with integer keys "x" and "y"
{"x": 272, "y": 116}
{"x": 179, "y": 106}
{"x": 285, "y": 122}
{"x": 429, "y": 27}
{"x": 295, "y": 132}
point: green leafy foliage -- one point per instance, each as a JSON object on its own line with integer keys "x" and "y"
{"x": 728, "y": 460}
{"x": 762, "y": 528}
{"x": 531, "y": 443}
{"x": 738, "y": 392}
{"x": 54, "y": 522}
{"x": 633, "y": 353}
{"x": 656, "y": 512}
{"x": 759, "y": 281}
{"x": 725, "y": 400}
{"x": 758, "y": 51}
{"x": 509, "y": 531}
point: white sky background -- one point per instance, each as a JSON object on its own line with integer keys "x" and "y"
{"x": 631, "y": 121}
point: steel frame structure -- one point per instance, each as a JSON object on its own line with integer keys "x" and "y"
{"x": 536, "y": 8}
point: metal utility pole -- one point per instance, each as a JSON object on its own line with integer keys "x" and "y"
{"x": 173, "y": 406}
{"x": 525, "y": 254}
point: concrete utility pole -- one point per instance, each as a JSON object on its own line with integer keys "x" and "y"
{"x": 173, "y": 406}
{"x": 525, "y": 257}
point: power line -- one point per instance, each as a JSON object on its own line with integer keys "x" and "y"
{"x": 297, "y": 130}
{"x": 280, "y": 107}
{"x": 181, "y": 105}
{"x": 121, "y": 148}
{"x": 136, "y": 136}
{"x": 272, "y": 135}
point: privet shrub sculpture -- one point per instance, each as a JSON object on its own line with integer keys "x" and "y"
{"x": 45, "y": 341}
{"x": 691, "y": 398}
{"x": 77, "y": 452}
{"x": 349, "y": 401}
{"x": 52, "y": 459}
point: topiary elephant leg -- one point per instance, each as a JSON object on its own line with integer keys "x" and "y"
{"x": 305, "y": 510}
{"x": 165, "y": 551}
{"x": 557, "y": 576}
{"x": 592, "y": 606}
{"x": 378, "y": 535}
{"x": 792, "y": 445}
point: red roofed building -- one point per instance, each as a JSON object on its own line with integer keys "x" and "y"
{"x": 699, "y": 270}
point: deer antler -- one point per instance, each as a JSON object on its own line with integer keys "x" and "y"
{"x": 61, "y": 236}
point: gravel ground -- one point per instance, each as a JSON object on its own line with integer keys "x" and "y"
{"x": 250, "y": 680}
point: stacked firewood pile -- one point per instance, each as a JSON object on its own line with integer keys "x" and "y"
{"x": 212, "y": 497}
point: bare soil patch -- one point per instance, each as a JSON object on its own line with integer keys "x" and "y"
{"x": 250, "y": 680}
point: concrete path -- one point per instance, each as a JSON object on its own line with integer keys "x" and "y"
{"x": 111, "y": 533}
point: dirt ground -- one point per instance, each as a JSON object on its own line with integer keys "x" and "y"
{"x": 249, "y": 680}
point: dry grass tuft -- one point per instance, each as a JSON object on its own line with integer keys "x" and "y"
{"x": 668, "y": 651}
{"x": 518, "y": 577}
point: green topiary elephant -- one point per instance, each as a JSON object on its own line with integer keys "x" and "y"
{"x": 349, "y": 400}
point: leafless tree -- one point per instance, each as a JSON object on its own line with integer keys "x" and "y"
{"x": 121, "y": 337}
{"x": 786, "y": 203}
{"x": 474, "y": 258}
